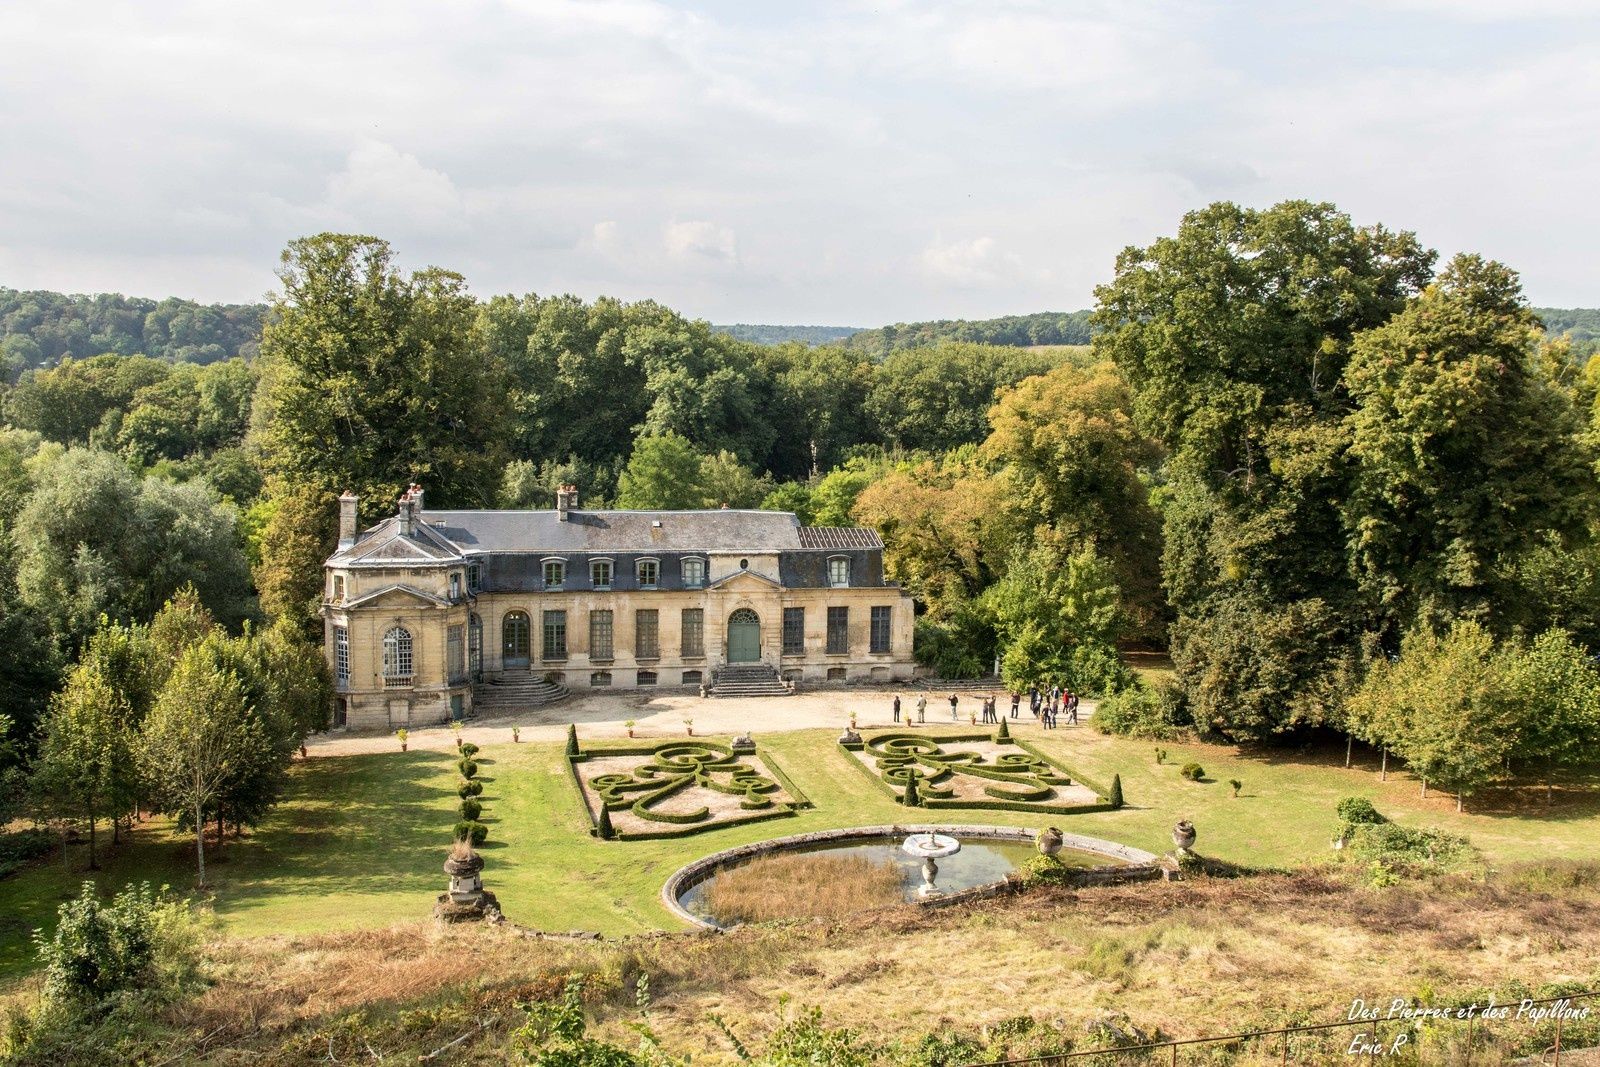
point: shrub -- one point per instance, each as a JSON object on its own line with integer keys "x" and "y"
{"x": 99, "y": 949}
{"x": 469, "y": 789}
{"x": 1236, "y": 785}
{"x": 603, "y": 826}
{"x": 471, "y": 809}
{"x": 1192, "y": 771}
{"x": 1354, "y": 811}
{"x": 1045, "y": 870}
{"x": 1115, "y": 797}
{"x": 572, "y": 739}
{"x": 911, "y": 798}
{"x": 1391, "y": 852}
{"x": 1142, "y": 710}
{"x": 468, "y": 769}
{"x": 468, "y": 749}
{"x": 20, "y": 848}
{"x": 475, "y": 831}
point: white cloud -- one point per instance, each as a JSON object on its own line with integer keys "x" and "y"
{"x": 697, "y": 240}
{"x": 382, "y": 184}
{"x": 975, "y": 263}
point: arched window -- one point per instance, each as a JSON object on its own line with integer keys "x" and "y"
{"x": 397, "y": 656}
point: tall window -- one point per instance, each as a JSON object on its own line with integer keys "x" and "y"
{"x": 794, "y": 631}
{"x": 474, "y": 577}
{"x": 555, "y": 635}
{"x": 455, "y": 652}
{"x": 555, "y": 573}
{"x": 647, "y": 633}
{"x": 694, "y": 632}
{"x": 338, "y": 588}
{"x": 838, "y": 631}
{"x": 600, "y": 574}
{"x": 648, "y": 570}
{"x": 880, "y": 630}
{"x": 694, "y": 572}
{"x": 397, "y": 656}
{"x": 475, "y": 645}
{"x": 838, "y": 570}
{"x": 600, "y": 635}
{"x": 341, "y": 656}
{"x": 455, "y": 586}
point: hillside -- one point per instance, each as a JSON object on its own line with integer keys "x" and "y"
{"x": 777, "y": 335}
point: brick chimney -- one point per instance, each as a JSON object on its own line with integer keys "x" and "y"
{"x": 410, "y": 509}
{"x": 347, "y": 519}
{"x": 566, "y": 500}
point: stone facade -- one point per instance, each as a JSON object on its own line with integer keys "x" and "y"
{"x": 426, "y": 604}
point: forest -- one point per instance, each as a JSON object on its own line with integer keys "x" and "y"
{"x": 1319, "y": 467}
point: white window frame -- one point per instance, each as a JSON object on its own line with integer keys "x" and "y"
{"x": 695, "y": 583}
{"x": 638, "y": 572}
{"x": 398, "y": 658}
{"x": 833, "y": 580}
{"x": 544, "y": 571}
{"x": 611, "y": 572}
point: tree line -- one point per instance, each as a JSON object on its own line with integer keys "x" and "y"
{"x": 40, "y": 328}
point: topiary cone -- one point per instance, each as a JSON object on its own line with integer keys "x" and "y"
{"x": 1115, "y": 799}
{"x": 572, "y": 739}
{"x": 912, "y": 797}
{"x": 605, "y": 829}
{"x": 1004, "y": 733}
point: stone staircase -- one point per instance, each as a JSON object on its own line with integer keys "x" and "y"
{"x": 747, "y": 680}
{"x": 515, "y": 691}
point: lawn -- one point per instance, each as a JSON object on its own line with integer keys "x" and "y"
{"x": 359, "y": 840}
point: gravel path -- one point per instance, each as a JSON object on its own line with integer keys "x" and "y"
{"x": 601, "y": 715}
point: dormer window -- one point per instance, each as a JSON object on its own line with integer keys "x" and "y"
{"x": 474, "y": 577}
{"x": 455, "y": 585}
{"x": 694, "y": 572}
{"x": 555, "y": 573}
{"x": 338, "y": 588}
{"x": 600, "y": 573}
{"x": 839, "y": 571}
{"x": 648, "y": 571}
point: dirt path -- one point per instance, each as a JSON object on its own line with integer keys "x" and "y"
{"x": 659, "y": 715}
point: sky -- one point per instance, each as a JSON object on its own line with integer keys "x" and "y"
{"x": 834, "y": 163}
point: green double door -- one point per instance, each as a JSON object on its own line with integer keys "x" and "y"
{"x": 744, "y": 637}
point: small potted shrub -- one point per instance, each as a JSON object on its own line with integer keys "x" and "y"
{"x": 455, "y": 728}
{"x": 402, "y": 735}
{"x": 629, "y": 724}
{"x": 1192, "y": 771}
{"x": 516, "y": 735}
{"x": 688, "y": 724}
{"x": 1236, "y": 784}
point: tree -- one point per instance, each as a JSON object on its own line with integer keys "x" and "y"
{"x": 1466, "y": 453}
{"x": 1056, "y": 613}
{"x": 371, "y": 381}
{"x": 1442, "y": 707}
{"x": 725, "y": 482}
{"x": 1233, "y": 335}
{"x": 793, "y": 497}
{"x": 662, "y": 473}
{"x": 1069, "y": 434}
{"x": 936, "y": 398}
{"x": 301, "y": 529}
{"x": 1555, "y": 694}
{"x": 95, "y": 540}
{"x": 197, "y": 735}
{"x": 84, "y": 764}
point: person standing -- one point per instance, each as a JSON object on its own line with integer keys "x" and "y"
{"x": 953, "y": 716}
{"x": 897, "y": 707}
{"x": 1072, "y": 708}
{"x": 922, "y": 707}
{"x": 1016, "y": 701}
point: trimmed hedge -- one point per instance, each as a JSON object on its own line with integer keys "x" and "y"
{"x": 468, "y": 828}
{"x": 469, "y": 789}
{"x": 468, "y": 768}
{"x": 471, "y": 809}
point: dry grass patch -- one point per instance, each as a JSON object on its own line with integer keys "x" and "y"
{"x": 803, "y": 886}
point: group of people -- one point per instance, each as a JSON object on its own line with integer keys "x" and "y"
{"x": 1046, "y": 705}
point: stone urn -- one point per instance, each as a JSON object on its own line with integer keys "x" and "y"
{"x": 1048, "y": 841}
{"x": 1183, "y": 835}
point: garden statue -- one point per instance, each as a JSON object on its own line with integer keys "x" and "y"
{"x": 744, "y": 745}
{"x": 1183, "y": 835}
{"x": 1048, "y": 841}
{"x": 849, "y": 737}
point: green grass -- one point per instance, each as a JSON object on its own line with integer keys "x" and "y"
{"x": 359, "y": 840}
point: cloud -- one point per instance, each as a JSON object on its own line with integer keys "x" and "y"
{"x": 697, "y": 240}
{"x": 975, "y": 263}
{"x": 381, "y": 183}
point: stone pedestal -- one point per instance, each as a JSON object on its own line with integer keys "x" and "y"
{"x": 466, "y": 900}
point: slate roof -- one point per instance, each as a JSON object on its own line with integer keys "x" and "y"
{"x": 448, "y": 536}
{"x": 839, "y": 537}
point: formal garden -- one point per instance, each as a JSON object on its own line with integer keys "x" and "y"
{"x": 358, "y": 840}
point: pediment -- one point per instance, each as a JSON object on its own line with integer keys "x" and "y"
{"x": 391, "y": 594}
{"x": 745, "y": 581}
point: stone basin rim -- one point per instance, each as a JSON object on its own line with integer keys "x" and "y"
{"x": 693, "y": 873}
